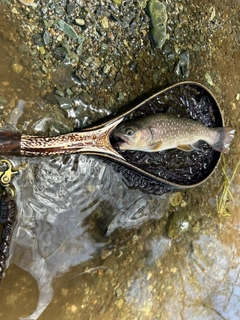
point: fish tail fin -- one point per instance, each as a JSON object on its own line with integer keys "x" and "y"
{"x": 224, "y": 139}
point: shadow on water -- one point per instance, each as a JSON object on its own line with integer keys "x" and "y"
{"x": 87, "y": 247}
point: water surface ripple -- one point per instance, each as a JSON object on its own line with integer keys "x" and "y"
{"x": 54, "y": 197}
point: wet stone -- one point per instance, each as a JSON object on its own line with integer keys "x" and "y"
{"x": 183, "y": 19}
{"x": 60, "y": 53}
{"x": 198, "y": 58}
{"x": 67, "y": 29}
{"x": 45, "y": 120}
{"x": 168, "y": 50}
{"x": 71, "y": 58}
{"x": 182, "y": 68}
{"x": 59, "y": 11}
{"x": 117, "y": 1}
{"x": 80, "y": 22}
{"x": 70, "y": 8}
{"x": 23, "y": 48}
{"x": 63, "y": 76}
{"x": 64, "y": 103}
{"x": 51, "y": 98}
{"x": 85, "y": 97}
{"x": 76, "y": 79}
{"x": 119, "y": 86}
{"x": 59, "y": 93}
{"x": 79, "y": 50}
{"x": 37, "y": 39}
{"x": 17, "y": 68}
{"x": 120, "y": 97}
{"x": 178, "y": 223}
{"x": 209, "y": 78}
{"x": 177, "y": 32}
{"x": 3, "y": 101}
{"x": 196, "y": 47}
{"x": 45, "y": 70}
{"x": 176, "y": 199}
{"x": 46, "y": 37}
{"x": 158, "y": 16}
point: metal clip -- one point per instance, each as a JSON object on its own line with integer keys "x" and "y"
{"x": 7, "y": 172}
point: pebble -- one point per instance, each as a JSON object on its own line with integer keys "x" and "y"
{"x": 23, "y": 48}
{"x": 60, "y": 53}
{"x": 182, "y": 68}
{"x": 119, "y": 303}
{"x": 176, "y": 198}
{"x": 168, "y": 50}
{"x": 80, "y": 22}
{"x": 37, "y": 39}
{"x": 117, "y": 1}
{"x": 178, "y": 223}
{"x": 67, "y": 29}
{"x": 104, "y": 22}
{"x": 70, "y": 8}
{"x": 3, "y": 101}
{"x": 209, "y": 79}
{"x": 62, "y": 76}
{"x": 64, "y": 103}
{"x": 196, "y": 47}
{"x": 17, "y": 68}
{"x": 85, "y": 98}
{"x": 73, "y": 308}
{"x": 46, "y": 37}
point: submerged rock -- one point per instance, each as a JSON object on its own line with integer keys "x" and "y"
{"x": 182, "y": 68}
{"x": 178, "y": 223}
{"x": 62, "y": 76}
{"x": 68, "y": 30}
{"x": 64, "y": 103}
{"x": 40, "y": 119}
{"x": 158, "y": 16}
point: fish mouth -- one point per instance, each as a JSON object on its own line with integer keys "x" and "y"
{"x": 118, "y": 141}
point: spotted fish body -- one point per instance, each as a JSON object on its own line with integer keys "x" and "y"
{"x": 158, "y": 132}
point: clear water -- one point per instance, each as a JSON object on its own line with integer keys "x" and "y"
{"x": 86, "y": 246}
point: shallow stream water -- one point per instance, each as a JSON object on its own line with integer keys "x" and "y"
{"x": 85, "y": 245}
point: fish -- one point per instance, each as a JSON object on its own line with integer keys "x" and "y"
{"x": 163, "y": 131}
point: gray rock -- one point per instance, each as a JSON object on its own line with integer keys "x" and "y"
{"x": 23, "y": 48}
{"x": 158, "y": 16}
{"x": 182, "y": 68}
{"x": 46, "y": 37}
{"x": 64, "y": 103}
{"x": 63, "y": 76}
{"x": 67, "y": 29}
{"x": 3, "y": 101}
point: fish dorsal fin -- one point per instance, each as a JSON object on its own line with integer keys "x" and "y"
{"x": 184, "y": 147}
{"x": 155, "y": 146}
{"x": 172, "y": 112}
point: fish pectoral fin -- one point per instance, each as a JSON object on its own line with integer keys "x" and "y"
{"x": 155, "y": 146}
{"x": 184, "y": 147}
{"x": 197, "y": 145}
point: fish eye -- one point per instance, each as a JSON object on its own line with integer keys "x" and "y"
{"x": 129, "y": 131}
